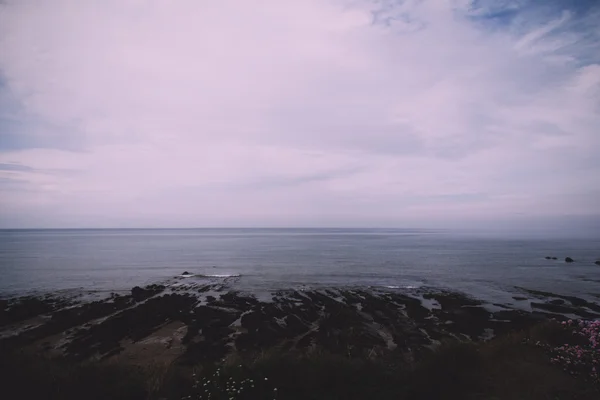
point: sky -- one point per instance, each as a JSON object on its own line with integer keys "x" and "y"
{"x": 379, "y": 113}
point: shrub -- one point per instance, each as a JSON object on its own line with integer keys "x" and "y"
{"x": 580, "y": 359}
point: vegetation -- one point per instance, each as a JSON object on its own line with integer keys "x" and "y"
{"x": 535, "y": 364}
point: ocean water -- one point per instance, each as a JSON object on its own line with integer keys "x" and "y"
{"x": 485, "y": 265}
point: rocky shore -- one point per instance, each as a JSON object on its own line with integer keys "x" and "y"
{"x": 195, "y": 322}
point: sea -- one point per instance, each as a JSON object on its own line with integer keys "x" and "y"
{"x": 490, "y": 266}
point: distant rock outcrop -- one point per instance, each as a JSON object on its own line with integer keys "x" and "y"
{"x": 569, "y": 260}
{"x": 548, "y": 258}
{"x": 597, "y": 262}
{"x": 140, "y": 294}
{"x": 554, "y": 258}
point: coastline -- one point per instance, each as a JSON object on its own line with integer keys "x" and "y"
{"x": 193, "y": 322}
{"x": 186, "y": 340}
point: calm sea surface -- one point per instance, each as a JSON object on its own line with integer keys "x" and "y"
{"x": 264, "y": 259}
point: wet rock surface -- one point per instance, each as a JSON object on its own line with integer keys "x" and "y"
{"x": 572, "y": 305}
{"x": 23, "y": 308}
{"x": 352, "y": 321}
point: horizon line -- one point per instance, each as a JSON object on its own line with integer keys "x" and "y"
{"x": 217, "y": 227}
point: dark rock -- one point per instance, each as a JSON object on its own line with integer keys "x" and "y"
{"x": 510, "y": 315}
{"x": 262, "y": 329}
{"x": 349, "y": 322}
{"x": 519, "y": 298}
{"x": 412, "y": 307}
{"x": 597, "y": 262}
{"x": 140, "y": 294}
{"x": 134, "y": 323}
{"x": 451, "y": 300}
{"x": 210, "y": 320}
{"x": 569, "y": 260}
{"x": 23, "y": 308}
{"x": 205, "y": 288}
{"x": 469, "y": 320}
{"x": 564, "y": 309}
{"x": 554, "y": 258}
{"x": 295, "y": 325}
{"x": 137, "y": 293}
{"x": 234, "y": 300}
{"x": 252, "y": 320}
{"x": 66, "y": 319}
{"x": 548, "y": 258}
{"x": 575, "y": 301}
{"x": 308, "y": 313}
{"x": 185, "y": 273}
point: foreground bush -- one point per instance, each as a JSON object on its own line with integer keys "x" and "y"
{"x": 32, "y": 377}
{"x": 550, "y": 361}
{"x": 233, "y": 383}
{"x": 581, "y": 359}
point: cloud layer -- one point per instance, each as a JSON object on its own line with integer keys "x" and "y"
{"x": 315, "y": 112}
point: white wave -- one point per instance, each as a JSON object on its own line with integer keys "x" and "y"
{"x": 220, "y": 275}
{"x": 400, "y": 287}
{"x": 189, "y": 275}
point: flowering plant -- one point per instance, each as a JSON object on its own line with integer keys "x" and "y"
{"x": 223, "y": 386}
{"x": 582, "y": 359}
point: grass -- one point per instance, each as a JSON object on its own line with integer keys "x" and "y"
{"x": 33, "y": 377}
{"x": 509, "y": 367}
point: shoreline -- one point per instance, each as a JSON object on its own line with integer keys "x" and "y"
{"x": 194, "y": 322}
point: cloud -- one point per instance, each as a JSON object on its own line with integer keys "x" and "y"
{"x": 362, "y": 112}
{"x": 14, "y": 167}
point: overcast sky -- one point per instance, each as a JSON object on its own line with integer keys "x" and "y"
{"x": 189, "y": 113}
